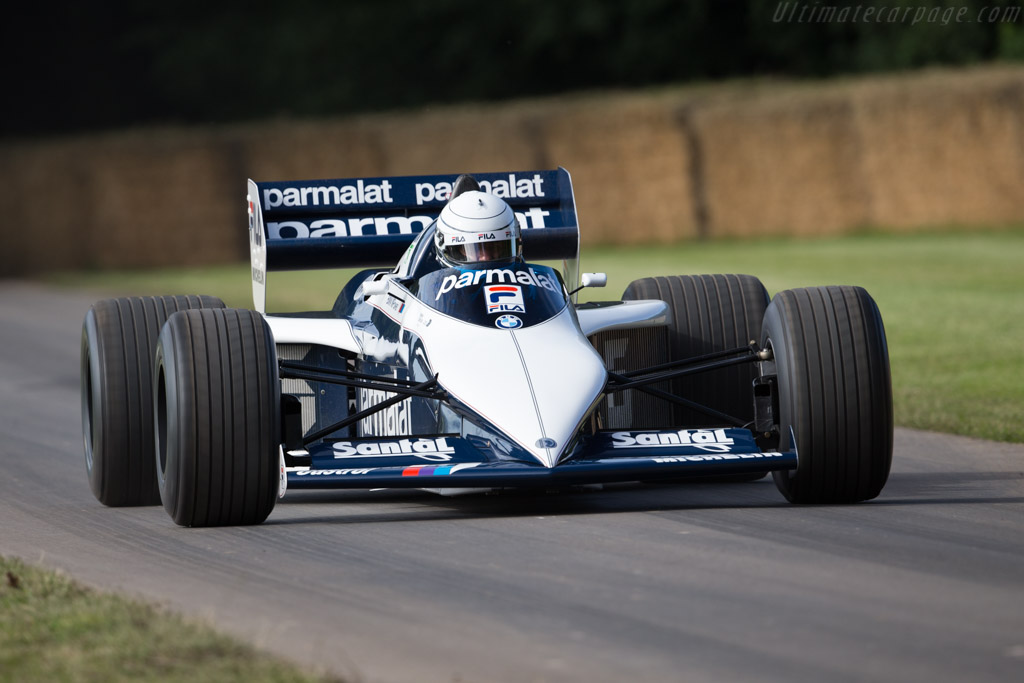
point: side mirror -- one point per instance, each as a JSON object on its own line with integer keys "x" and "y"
{"x": 375, "y": 287}
{"x": 591, "y": 280}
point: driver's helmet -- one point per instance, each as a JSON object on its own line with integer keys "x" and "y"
{"x": 476, "y": 227}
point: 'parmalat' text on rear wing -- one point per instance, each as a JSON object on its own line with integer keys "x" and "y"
{"x": 365, "y": 222}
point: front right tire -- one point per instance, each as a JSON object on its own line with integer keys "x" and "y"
{"x": 834, "y": 393}
{"x": 217, "y": 402}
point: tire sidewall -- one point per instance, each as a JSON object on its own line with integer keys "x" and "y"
{"x": 167, "y": 417}
{"x": 776, "y": 336}
{"x": 93, "y": 410}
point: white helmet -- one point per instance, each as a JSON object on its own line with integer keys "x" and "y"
{"x": 476, "y": 227}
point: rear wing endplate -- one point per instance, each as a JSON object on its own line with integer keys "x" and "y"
{"x": 368, "y": 222}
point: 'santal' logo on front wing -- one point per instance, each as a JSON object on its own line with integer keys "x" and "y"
{"x": 434, "y": 450}
{"x": 710, "y": 440}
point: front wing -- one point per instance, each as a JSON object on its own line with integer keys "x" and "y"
{"x": 605, "y": 457}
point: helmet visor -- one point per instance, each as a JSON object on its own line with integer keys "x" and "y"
{"x": 502, "y": 250}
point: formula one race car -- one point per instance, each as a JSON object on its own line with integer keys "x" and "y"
{"x": 466, "y": 367}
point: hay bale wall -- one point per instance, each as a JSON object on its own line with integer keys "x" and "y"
{"x": 716, "y": 161}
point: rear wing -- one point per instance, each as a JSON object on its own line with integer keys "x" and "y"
{"x": 368, "y": 222}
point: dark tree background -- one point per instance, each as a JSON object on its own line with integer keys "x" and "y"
{"x": 75, "y": 66}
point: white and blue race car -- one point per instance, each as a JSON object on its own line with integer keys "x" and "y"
{"x": 441, "y": 376}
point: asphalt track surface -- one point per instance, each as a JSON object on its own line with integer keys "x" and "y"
{"x": 632, "y": 583}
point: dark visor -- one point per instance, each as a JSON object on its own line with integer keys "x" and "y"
{"x": 481, "y": 251}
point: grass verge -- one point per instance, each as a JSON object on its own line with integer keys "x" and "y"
{"x": 952, "y": 301}
{"x": 52, "y": 629}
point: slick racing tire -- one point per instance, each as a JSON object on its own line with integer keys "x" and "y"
{"x": 118, "y": 342}
{"x": 217, "y": 404}
{"x": 834, "y": 393}
{"x": 709, "y": 313}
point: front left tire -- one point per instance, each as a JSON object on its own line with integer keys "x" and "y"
{"x": 217, "y": 405}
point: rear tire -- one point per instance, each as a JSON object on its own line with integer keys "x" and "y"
{"x": 709, "y": 313}
{"x": 118, "y": 342}
{"x": 217, "y": 401}
{"x": 834, "y": 391}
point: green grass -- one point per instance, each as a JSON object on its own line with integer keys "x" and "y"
{"x": 953, "y": 306}
{"x": 52, "y": 629}
{"x": 952, "y": 301}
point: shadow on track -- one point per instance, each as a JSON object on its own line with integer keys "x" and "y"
{"x": 416, "y": 505}
{"x": 904, "y": 489}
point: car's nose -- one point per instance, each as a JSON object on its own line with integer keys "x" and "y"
{"x": 539, "y": 383}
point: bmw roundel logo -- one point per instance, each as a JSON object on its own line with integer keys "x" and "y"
{"x": 508, "y": 322}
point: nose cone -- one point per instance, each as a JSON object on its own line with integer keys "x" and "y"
{"x": 565, "y": 376}
{"x": 536, "y": 383}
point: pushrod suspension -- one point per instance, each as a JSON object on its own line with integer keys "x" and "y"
{"x": 292, "y": 365}
{"x": 685, "y": 402}
{"x": 640, "y": 379}
{"x": 421, "y": 389}
{"x": 404, "y": 390}
{"x": 751, "y": 349}
{"x": 690, "y": 367}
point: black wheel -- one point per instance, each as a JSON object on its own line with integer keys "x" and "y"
{"x": 118, "y": 342}
{"x": 217, "y": 402}
{"x": 834, "y": 392}
{"x": 709, "y": 313}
